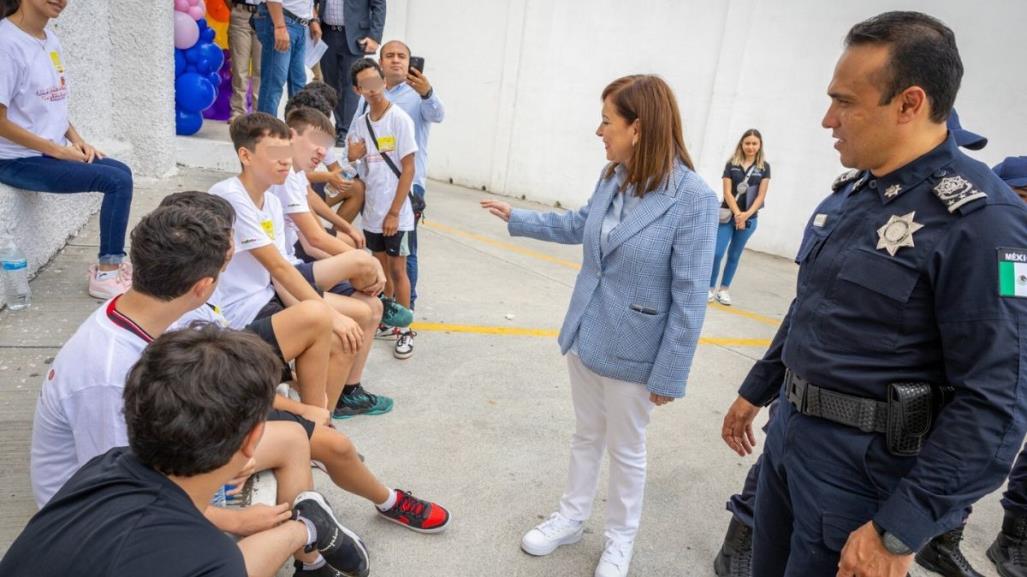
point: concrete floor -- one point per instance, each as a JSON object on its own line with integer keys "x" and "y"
{"x": 483, "y": 415}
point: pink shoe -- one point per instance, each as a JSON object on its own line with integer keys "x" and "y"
{"x": 112, "y": 286}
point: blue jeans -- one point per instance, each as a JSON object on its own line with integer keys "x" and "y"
{"x": 278, "y": 67}
{"x": 412, "y": 257}
{"x": 106, "y": 175}
{"x": 727, "y": 234}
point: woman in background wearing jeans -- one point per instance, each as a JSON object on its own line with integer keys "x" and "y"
{"x": 746, "y": 179}
{"x": 40, "y": 150}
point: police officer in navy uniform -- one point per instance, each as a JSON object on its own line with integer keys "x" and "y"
{"x": 903, "y": 398}
{"x": 942, "y": 555}
{"x": 1009, "y": 550}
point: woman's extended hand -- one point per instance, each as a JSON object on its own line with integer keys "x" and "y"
{"x": 660, "y": 400}
{"x": 498, "y": 208}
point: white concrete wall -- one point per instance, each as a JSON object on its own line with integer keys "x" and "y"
{"x": 120, "y": 66}
{"x": 521, "y": 80}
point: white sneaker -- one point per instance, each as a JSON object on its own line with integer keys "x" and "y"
{"x": 615, "y": 560}
{"x": 709, "y": 296}
{"x": 404, "y": 345}
{"x": 724, "y": 298}
{"x": 546, "y": 537}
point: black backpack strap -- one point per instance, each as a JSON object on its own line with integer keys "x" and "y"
{"x": 395, "y": 169}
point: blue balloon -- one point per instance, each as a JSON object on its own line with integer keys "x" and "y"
{"x": 203, "y": 66}
{"x": 202, "y": 24}
{"x": 195, "y": 52}
{"x": 215, "y": 79}
{"x": 214, "y": 54}
{"x": 179, "y": 62}
{"x": 193, "y": 92}
{"x": 187, "y": 123}
{"x": 207, "y": 35}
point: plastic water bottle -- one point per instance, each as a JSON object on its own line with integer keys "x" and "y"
{"x": 15, "y": 269}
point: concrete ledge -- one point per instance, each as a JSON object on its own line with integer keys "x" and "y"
{"x": 43, "y": 222}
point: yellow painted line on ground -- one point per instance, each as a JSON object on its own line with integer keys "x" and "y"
{"x": 552, "y": 333}
{"x": 445, "y": 228}
{"x": 483, "y": 330}
{"x": 747, "y": 314}
{"x": 435, "y": 225}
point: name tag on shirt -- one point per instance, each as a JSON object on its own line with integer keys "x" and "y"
{"x": 55, "y": 59}
{"x": 387, "y": 143}
{"x": 269, "y": 228}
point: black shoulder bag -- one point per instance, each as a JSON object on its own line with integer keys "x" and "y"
{"x": 417, "y": 203}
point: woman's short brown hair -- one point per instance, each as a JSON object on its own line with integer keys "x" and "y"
{"x": 648, "y": 99}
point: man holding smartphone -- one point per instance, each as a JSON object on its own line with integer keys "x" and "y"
{"x": 352, "y": 29}
{"x": 407, "y": 87}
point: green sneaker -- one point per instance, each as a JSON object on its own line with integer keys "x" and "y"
{"x": 395, "y": 314}
{"x": 361, "y": 402}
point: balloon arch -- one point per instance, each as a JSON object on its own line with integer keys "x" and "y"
{"x": 203, "y": 71}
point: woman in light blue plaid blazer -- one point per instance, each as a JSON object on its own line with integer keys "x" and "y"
{"x": 638, "y": 305}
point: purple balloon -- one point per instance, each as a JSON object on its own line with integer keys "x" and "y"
{"x": 186, "y": 31}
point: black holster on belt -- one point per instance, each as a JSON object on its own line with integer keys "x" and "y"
{"x": 905, "y": 418}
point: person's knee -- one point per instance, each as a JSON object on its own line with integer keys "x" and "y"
{"x": 314, "y": 315}
{"x": 377, "y": 308}
{"x": 361, "y": 313}
{"x": 342, "y": 449}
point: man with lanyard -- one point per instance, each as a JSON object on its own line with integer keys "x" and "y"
{"x": 410, "y": 89}
{"x": 352, "y": 29}
{"x": 282, "y": 27}
{"x": 902, "y": 398}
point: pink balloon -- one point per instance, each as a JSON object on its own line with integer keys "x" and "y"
{"x": 193, "y": 2}
{"x": 195, "y": 12}
{"x": 182, "y": 5}
{"x": 186, "y": 31}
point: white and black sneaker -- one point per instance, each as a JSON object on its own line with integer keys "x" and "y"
{"x": 341, "y": 548}
{"x": 404, "y": 345}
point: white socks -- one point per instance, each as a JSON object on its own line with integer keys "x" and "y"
{"x": 389, "y": 503}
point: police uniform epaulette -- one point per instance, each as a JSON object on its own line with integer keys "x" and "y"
{"x": 958, "y": 193}
{"x": 845, "y": 178}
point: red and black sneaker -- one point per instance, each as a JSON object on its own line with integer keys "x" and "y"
{"x": 417, "y": 515}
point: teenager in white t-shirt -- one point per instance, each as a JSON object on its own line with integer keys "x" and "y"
{"x": 312, "y": 132}
{"x": 336, "y": 184}
{"x": 388, "y": 174}
{"x": 259, "y": 266}
{"x": 327, "y": 445}
{"x": 40, "y": 150}
{"x": 79, "y": 414}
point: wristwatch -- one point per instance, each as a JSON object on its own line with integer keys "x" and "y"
{"x": 428, "y": 94}
{"x": 893, "y": 544}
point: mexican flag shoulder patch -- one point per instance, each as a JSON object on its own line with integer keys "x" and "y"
{"x": 1012, "y": 272}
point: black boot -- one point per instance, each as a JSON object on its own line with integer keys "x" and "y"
{"x": 1009, "y": 551}
{"x": 735, "y": 557}
{"x": 942, "y": 555}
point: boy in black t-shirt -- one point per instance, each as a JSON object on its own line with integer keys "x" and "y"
{"x": 195, "y": 406}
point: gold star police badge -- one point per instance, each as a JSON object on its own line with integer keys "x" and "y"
{"x": 897, "y": 233}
